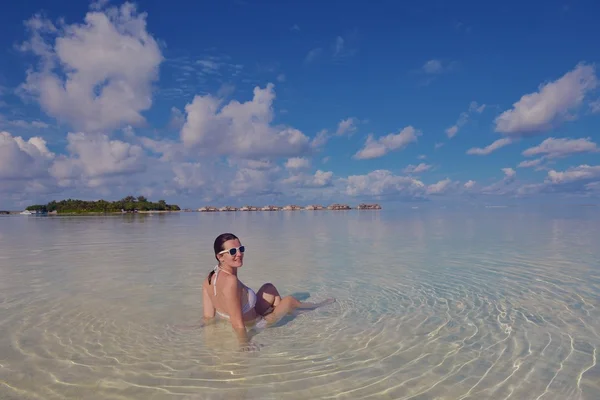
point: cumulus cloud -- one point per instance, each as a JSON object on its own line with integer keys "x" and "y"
{"x": 253, "y": 182}
{"x": 552, "y": 104}
{"x": 240, "y": 129}
{"x": 441, "y": 187}
{"x": 95, "y": 156}
{"x": 297, "y": 163}
{"x": 469, "y": 184}
{"x": 97, "y": 75}
{"x": 375, "y": 148}
{"x": 189, "y": 176}
{"x": 383, "y": 182}
{"x": 464, "y": 118}
{"x": 320, "y": 179}
{"x": 347, "y": 125}
{"x": 490, "y": 148}
{"x": 23, "y": 159}
{"x": 415, "y": 169}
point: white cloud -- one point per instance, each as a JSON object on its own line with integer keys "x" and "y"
{"x": 469, "y": 184}
{"x": 437, "y": 67}
{"x": 95, "y": 156}
{"x": 433, "y": 67}
{"x": 452, "y": 131}
{"x": 209, "y": 66}
{"x": 580, "y": 173}
{"x": 29, "y": 124}
{"x": 556, "y": 148}
{"x": 530, "y": 163}
{"x": 347, "y": 125}
{"x": 258, "y": 164}
{"x": 312, "y": 55}
{"x": 240, "y": 129}
{"x": 320, "y": 179}
{"x": 177, "y": 119}
{"x": 383, "y": 182}
{"x": 97, "y": 75}
{"x": 20, "y": 159}
{"x": 375, "y": 148}
{"x": 189, "y": 176}
{"x": 595, "y": 107}
{"x": 252, "y": 182}
{"x": 509, "y": 173}
{"x": 464, "y": 118}
{"x": 441, "y": 187}
{"x": 422, "y": 157}
{"x": 490, "y": 148}
{"x": 320, "y": 139}
{"x": 415, "y": 169}
{"x": 550, "y": 105}
{"x": 297, "y": 163}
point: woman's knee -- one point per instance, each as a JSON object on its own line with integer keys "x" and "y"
{"x": 292, "y": 301}
{"x": 269, "y": 288}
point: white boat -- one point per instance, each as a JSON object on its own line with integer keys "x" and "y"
{"x": 26, "y": 212}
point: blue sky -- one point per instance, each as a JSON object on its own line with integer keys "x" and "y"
{"x": 240, "y": 102}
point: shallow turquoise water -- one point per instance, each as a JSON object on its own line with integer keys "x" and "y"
{"x": 431, "y": 304}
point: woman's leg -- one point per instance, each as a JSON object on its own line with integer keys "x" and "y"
{"x": 272, "y": 307}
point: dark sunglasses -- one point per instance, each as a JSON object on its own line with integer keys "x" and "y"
{"x": 233, "y": 251}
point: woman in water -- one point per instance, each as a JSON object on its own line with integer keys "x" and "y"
{"x": 225, "y": 295}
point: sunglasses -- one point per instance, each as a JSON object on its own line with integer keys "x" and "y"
{"x": 233, "y": 251}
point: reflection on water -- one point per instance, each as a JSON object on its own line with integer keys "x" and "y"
{"x": 496, "y": 304}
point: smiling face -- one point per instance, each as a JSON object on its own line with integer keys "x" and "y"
{"x": 234, "y": 261}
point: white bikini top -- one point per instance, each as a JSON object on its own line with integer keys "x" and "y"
{"x": 251, "y": 295}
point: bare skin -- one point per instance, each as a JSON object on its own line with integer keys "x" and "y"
{"x": 231, "y": 297}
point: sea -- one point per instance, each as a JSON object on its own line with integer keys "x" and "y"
{"x": 478, "y": 303}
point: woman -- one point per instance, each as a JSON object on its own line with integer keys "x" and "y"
{"x": 225, "y": 295}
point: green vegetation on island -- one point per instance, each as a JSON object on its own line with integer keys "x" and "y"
{"x": 127, "y": 204}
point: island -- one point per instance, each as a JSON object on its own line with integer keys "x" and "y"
{"x": 129, "y": 204}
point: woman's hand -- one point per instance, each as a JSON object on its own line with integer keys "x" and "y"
{"x": 250, "y": 347}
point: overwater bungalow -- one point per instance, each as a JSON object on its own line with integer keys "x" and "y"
{"x": 364, "y": 206}
{"x": 337, "y": 206}
{"x": 208, "y": 209}
{"x": 314, "y": 207}
{"x": 292, "y": 207}
{"x": 271, "y": 208}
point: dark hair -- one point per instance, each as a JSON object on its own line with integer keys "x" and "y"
{"x": 218, "y": 246}
{"x": 220, "y": 240}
